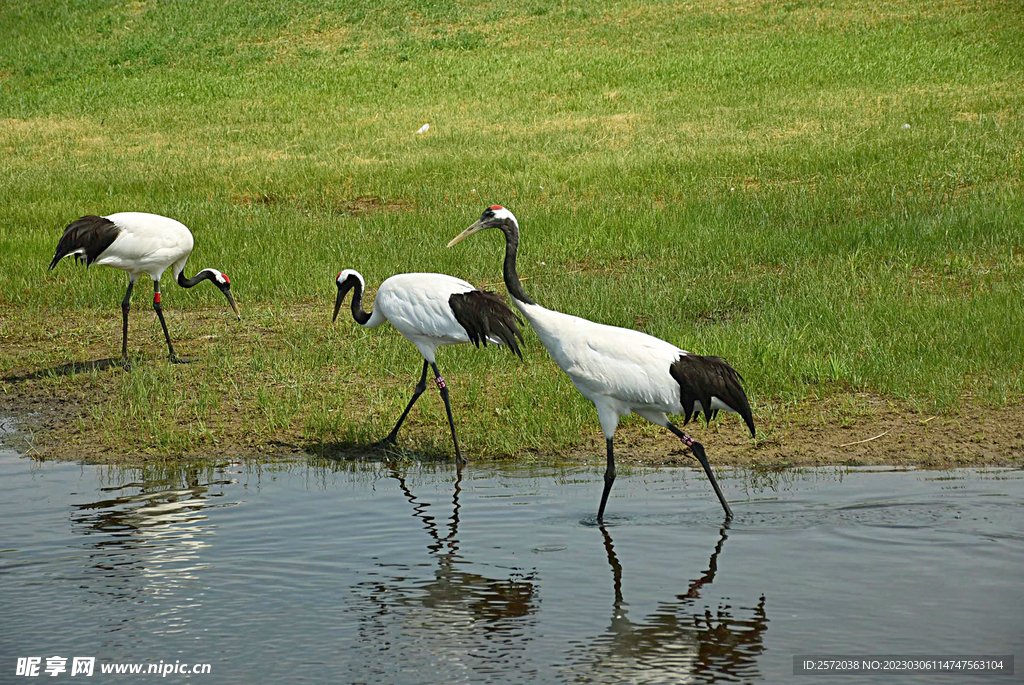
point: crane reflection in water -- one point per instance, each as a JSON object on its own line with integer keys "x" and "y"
{"x": 683, "y": 641}
{"x": 453, "y": 620}
{"x": 147, "y": 535}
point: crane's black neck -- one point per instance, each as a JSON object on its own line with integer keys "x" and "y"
{"x": 204, "y": 275}
{"x": 515, "y": 288}
{"x": 358, "y": 314}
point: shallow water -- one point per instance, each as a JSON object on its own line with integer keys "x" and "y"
{"x": 359, "y": 572}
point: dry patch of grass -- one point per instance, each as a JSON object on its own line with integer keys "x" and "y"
{"x": 46, "y": 137}
{"x": 326, "y": 202}
{"x": 718, "y": 316}
{"x": 365, "y": 205}
{"x": 567, "y": 123}
{"x": 750, "y": 184}
{"x": 795, "y": 129}
{"x": 324, "y": 38}
{"x": 765, "y": 16}
{"x": 45, "y": 126}
{"x": 969, "y": 279}
{"x": 1001, "y": 116}
{"x": 136, "y": 7}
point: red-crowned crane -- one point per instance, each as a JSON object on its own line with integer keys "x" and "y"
{"x": 138, "y": 243}
{"x": 431, "y": 310}
{"x": 621, "y": 370}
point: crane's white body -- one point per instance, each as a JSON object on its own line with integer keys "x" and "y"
{"x": 417, "y": 305}
{"x": 618, "y": 369}
{"x": 147, "y": 244}
{"x": 622, "y": 370}
{"x": 431, "y": 310}
{"x": 138, "y": 243}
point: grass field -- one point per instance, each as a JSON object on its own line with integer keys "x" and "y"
{"x": 828, "y": 194}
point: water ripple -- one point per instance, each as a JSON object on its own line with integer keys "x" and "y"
{"x": 409, "y": 574}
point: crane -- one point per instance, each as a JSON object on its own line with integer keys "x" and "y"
{"x": 621, "y": 370}
{"x": 138, "y": 243}
{"x": 431, "y": 310}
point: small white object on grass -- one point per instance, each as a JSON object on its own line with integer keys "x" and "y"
{"x": 424, "y": 128}
{"x": 905, "y": 127}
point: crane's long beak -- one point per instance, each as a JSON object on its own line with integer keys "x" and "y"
{"x": 231, "y": 301}
{"x": 337, "y": 304}
{"x": 465, "y": 234}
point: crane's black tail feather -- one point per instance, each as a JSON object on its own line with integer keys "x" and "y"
{"x": 484, "y": 315}
{"x": 701, "y": 378}
{"x": 86, "y": 238}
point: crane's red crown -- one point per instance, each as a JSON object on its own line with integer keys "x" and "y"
{"x": 497, "y": 207}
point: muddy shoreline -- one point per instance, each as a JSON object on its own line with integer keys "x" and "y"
{"x": 52, "y": 408}
{"x": 37, "y": 423}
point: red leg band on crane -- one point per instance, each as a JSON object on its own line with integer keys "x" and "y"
{"x": 440, "y": 382}
{"x": 156, "y": 298}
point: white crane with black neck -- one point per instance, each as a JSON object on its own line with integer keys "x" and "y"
{"x": 431, "y": 310}
{"x": 621, "y": 370}
{"x": 138, "y": 243}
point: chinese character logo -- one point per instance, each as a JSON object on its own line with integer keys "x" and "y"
{"x": 82, "y": 665}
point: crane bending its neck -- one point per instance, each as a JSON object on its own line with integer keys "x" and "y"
{"x": 204, "y": 275}
{"x": 218, "y": 278}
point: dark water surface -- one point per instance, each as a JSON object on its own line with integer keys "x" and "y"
{"x": 359, "y": 572}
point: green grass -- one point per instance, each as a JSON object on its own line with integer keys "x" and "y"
{"x": 735, "y": 177}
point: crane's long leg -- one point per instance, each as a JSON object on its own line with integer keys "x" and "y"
{"x": 126, "y": 304}
{"x": 443, "y": 387}
{"x": 702, "y": 457}
{"x": 159, "y": 308}
{"x": 609, "y": 478}
{"x": 420, "y": 387}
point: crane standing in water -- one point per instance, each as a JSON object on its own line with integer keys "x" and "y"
{"x": 621, "y": 370}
